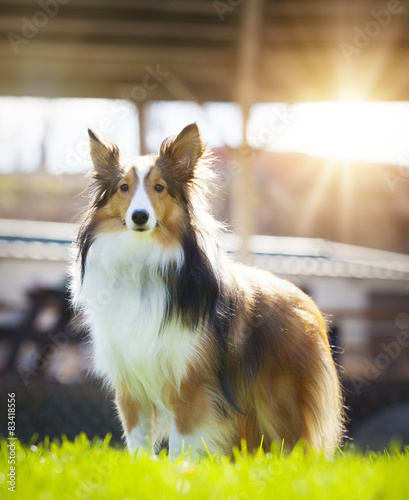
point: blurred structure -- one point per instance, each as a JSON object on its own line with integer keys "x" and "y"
{"x": 204, "y": 50}
{"x": 247, "y": 52}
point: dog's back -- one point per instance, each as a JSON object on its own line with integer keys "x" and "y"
{"x": 290, "y": 389}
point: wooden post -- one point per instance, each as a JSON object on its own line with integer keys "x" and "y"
{"x": 242, "y": 208}
{"x": 143, "y": 148}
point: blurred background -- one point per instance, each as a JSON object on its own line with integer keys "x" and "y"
{"x": 306, "y": 107}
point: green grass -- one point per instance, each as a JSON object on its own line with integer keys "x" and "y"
{"x": 87, "y": 470}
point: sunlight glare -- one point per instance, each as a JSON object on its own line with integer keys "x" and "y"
{"x": 346, "y": 130}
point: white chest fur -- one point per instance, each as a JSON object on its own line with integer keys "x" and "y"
{"x": 124, "y": 299}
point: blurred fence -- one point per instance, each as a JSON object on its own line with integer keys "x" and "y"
{"x": 45, "y": 408}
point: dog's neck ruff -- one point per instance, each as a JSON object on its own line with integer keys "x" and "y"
{"x": 133, "y": 256}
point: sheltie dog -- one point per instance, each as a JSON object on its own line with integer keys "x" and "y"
{"x": 200, "y": 350}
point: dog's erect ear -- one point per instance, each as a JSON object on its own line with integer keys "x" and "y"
{"x": 105, "y": 158}
{"x": 181, "y": 153}
{"x": 107, "y": 170}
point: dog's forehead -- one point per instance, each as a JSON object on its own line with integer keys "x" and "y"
{"x": 140, "y": 165}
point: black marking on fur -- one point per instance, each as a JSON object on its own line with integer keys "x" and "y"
{"x": 197, "y": 297}
{"x": 93, "y": 136}
{"x": 85, "y": 239}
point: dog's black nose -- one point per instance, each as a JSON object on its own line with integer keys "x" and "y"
{"x": 140, "y": 217}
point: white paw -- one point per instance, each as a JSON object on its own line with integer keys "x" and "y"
{"x": 137, "y": 440}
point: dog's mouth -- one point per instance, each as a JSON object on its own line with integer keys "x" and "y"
{"x": 141, "y": 229}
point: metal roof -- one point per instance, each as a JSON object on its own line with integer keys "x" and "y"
{"x": 318, "y": 257}
{"x": 281, "y": 255}
{"x": 202, "y": 50}
{"x": 36, "y": 240}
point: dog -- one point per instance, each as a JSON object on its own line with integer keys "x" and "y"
{"x": 200, "y": 350}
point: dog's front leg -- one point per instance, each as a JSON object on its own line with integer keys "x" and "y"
{"x": 139, "y": 436}
{"x": 192, "y": 420}
{"x": 195, "y": 443}
{"x": 135, "y": 421}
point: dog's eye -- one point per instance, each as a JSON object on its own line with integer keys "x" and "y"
{"x": 124, "y": 187}
{"x": 159, "y": 188}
